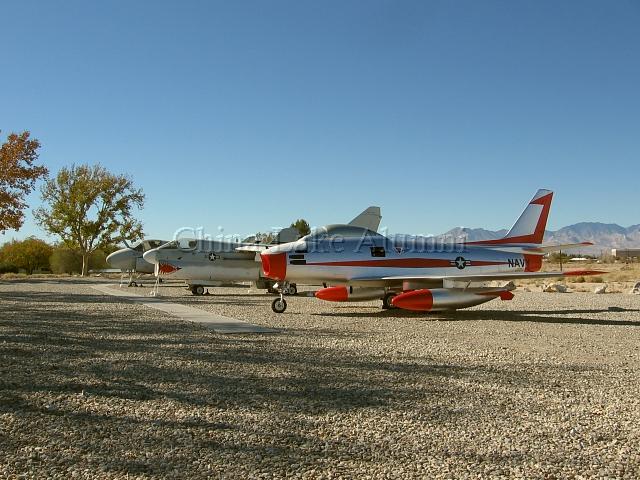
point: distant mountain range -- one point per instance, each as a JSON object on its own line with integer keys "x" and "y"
{"x": 604, "y": 236}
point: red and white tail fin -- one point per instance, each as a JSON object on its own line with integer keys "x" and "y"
{"x": 530, "y": 226}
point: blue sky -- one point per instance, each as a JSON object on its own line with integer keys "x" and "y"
{"x": 247, "y": 115}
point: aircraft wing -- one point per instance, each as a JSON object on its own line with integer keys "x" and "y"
{"x": 486, "y": 277}
{"x": 369, "y": 219}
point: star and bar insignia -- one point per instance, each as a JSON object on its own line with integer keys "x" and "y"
{"x": 460, "y": 263}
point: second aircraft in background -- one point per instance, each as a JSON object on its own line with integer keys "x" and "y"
{"x": 202, "y": 263}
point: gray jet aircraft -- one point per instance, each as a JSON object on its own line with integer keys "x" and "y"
{"x": 130, "y": 261}
{"x": 203, "y": 263}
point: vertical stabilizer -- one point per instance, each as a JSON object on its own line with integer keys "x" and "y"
{"x": 369, "y": 219}
{"x": 530, "y": 226}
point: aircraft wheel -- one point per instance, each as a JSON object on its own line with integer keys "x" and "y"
{"x": 198, "y": 290}
{"x": 279, "y": 305}
{"x": 292, "y": 289}
{"x": 386, "y": 301}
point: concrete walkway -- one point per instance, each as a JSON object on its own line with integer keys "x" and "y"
{"x": 217, "y": 323}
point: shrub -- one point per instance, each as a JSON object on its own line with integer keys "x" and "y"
{"x": 607, "y": 258}
{"x": 557, "y": 257}
{"x": 98, "y": 260}
{"x": 8, "y": 268}
{"x": 64, "y": 260}
{"x": 29, "y": 254}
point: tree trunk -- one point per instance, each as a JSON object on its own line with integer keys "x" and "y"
{"x": 85, "y": 263}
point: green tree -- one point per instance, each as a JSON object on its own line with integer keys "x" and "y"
{"x": 65, "y": 260}
{"x": 98, "y": 259}
{"x": 89, "y": 208}
{"x": 18, "y": 176}
{"x": 29, "y": 254}
{"x": 303, "y": 226}
{"x": 263, "y": 237}
{"x": 558, "y": 257}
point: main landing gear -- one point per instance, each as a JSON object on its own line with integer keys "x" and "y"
{"x": 197, "y": 290}
{"x": 386, "y": 301}
{"x": 132, "y": 280}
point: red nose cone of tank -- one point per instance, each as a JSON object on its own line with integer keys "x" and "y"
{"x": 417, "y": 300}
{"x": 333, "y": 294}
{"x": 274, "y": 265}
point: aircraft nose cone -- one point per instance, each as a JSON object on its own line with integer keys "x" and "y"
{"x": 151, "y": 256}
{"x": 122, "y": 259}
{"x": 110, "y": 259}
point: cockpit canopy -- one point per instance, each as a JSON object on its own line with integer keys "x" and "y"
{"x": 146, "y": 245}
{"x": 151, "y": 244}
{"x": 183, "y": 244}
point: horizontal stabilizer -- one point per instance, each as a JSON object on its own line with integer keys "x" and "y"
{"x": 542, "y": 249}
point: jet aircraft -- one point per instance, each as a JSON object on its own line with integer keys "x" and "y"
{"x": 203, "y": 263}
{"x": 415, "y": 273}
{"x": 130, "y": 259}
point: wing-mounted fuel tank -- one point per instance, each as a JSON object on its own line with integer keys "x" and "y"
{"x": 344, "y": 293}
{"x": 439, "y": 299}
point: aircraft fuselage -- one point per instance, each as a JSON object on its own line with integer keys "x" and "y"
{"x": 360, "y": 260}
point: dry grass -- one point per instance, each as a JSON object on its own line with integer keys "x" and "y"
{"x": 50, "y": 276}
{"x": 619, "y": 277}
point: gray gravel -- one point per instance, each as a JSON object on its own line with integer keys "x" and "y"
{"x": 544, "y": 386}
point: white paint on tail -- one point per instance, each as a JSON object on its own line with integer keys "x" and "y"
{"x": 530, "y": 221}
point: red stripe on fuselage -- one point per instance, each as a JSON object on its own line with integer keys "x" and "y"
{"x": 406, "y": 263}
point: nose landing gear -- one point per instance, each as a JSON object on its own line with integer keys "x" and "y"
{"x": 279, "y": 305}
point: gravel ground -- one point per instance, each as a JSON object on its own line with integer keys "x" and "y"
{"x": 544, "y": 386}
